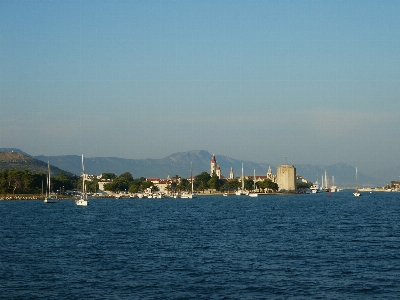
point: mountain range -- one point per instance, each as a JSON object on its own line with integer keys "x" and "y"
{"x": 199, "y": 161}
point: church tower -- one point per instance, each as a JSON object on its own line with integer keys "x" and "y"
{"x": 269, "y": 174}
{"x": 213, "y": 168}
{"x": 218, "y": 172}
{"x": 231, "y": 174}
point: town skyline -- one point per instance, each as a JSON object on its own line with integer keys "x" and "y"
{"x": 199, "y": 160}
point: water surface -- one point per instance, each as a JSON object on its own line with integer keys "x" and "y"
{"x": 270, "y": 247}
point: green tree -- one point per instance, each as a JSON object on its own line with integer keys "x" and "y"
{"x": 146, "y": 185}
{"x": 215, "y": 183}
{"x": 126, "y": 177}
{"x": 249, "y": 184}
{"x": 303, "y": 185}
{"x": 108, "y": 176}
{"x": 184, "y": 185}
{"x": 230, "y": 185}
{"x": 92, "y": 186}
{"x": 201, "y": 181}
{"x": 268, "y": 185}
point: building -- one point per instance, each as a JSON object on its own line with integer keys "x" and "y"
{"x": 286, "y": 178}
{"x": 214, "y": 168}
{"x": 231, "y": 174}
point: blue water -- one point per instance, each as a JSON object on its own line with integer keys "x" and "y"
{"x": 270, "y": 247}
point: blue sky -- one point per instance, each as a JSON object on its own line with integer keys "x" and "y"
{"x": 317, "y": 81}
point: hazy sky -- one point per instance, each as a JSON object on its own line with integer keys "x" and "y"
{"x": 317, "y": 81}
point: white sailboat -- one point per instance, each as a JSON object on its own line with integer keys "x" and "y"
{"x": 253, "y": 193}
{"x": 83, "y": 201}
{"x": 190, "y": 195}
{"x": 241, "y": 191}
{"x": 356, "y": 193}
{"x": 49, "y": 198}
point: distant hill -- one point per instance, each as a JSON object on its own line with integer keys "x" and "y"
{"x": 13, "y": 150}
{"x": 16, "y": 160}
{"x": 175, "y": 164}
{"x": 180, "y": 164}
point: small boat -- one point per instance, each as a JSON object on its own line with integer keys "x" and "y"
{"x": 191, "y": 195}
{"x": 225, "y": 194}
{"x": 241, "y": 191}
{"x": 186, "y": 195}
{"x": 83, "y": 201}
{"x": 48, "y": 198}
{"x": 357, "y": 192}
{"x": 315, "y": 188}
{"x": 253, "y": 193}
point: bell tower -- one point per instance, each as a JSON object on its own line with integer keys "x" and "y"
{"x": 213, "y": 168}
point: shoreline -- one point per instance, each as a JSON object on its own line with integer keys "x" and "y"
{"x": 41, "y": 197}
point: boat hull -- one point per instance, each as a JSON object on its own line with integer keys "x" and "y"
{"x": 82, "y": 202}
{"x": 50, "y": 200}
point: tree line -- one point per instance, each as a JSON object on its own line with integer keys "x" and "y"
{"x": 27, "y": 182}
{"x": 204, "y": 181}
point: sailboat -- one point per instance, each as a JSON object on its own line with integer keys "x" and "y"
{"x": 48, "y": 198}
{"x": 241, "y": 191}
{"x": 253, "y": 193}
{"x": 83, "y": 201}
{"x": 357, "y": 193}
{"x": 191, "y": 194}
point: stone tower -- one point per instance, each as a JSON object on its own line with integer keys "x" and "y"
{"x": 286, "y": 177}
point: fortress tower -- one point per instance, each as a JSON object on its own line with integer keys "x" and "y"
{"x": 286, "y": 177}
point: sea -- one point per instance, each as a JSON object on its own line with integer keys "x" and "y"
{"x": 310, "y": 246}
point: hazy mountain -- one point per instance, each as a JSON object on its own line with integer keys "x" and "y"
{"x": 180, "y": 164}
{"x": 16, "y": 160}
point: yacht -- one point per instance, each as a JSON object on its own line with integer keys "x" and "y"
{"x": 83, "y": 200}
{"x": 49, "y": 198}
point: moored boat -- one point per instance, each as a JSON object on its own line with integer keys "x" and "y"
{"x": 357, "y": 192}
{"x": 83, "y": 200}
{"x": 49, "y": 198}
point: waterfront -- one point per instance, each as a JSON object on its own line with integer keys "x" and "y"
{"x": 275, "y": 246}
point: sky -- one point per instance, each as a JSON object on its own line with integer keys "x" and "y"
{"x": 316, "y": 81}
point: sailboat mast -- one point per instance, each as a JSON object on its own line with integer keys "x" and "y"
{"x": 242, "y": 179}
{"x": 48, "y": 180}
{"x": 83, "y": 178}
{"x": 356, "y": 179}
{"x": 254, "y": 185}
{"x": 191, "y": 174}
